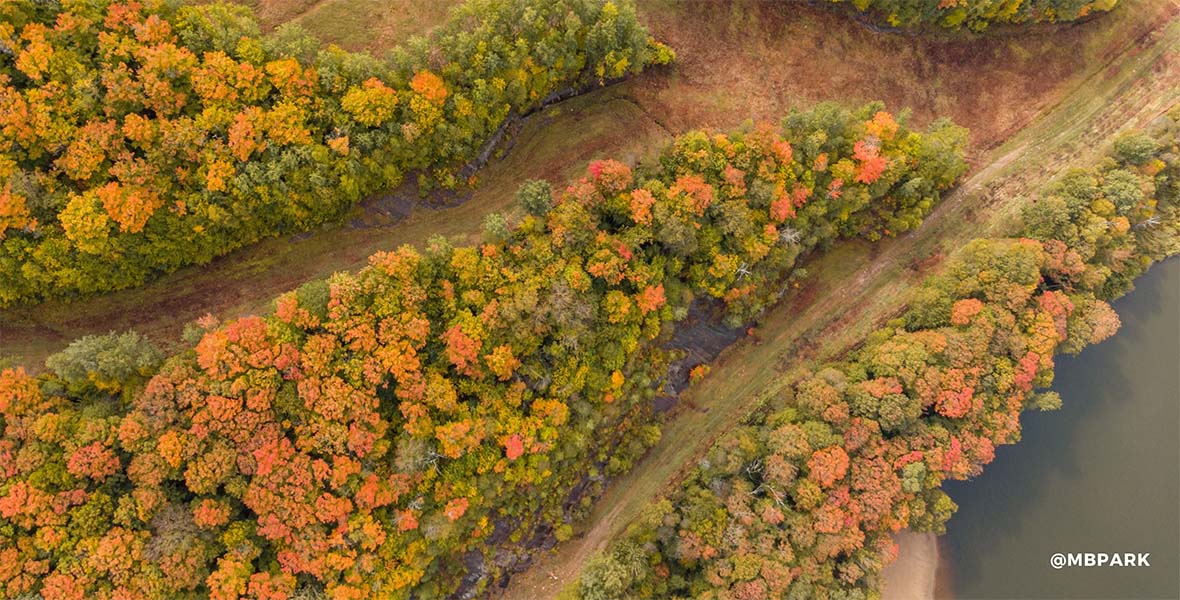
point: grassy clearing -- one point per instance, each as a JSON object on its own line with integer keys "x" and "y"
{"x": 373, "y": 25}
{"x": 858, "y": 286}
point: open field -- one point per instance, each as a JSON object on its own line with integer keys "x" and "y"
{"x": 737, "y": 61}
{"x": 373, "y": 25}
{"x": 856, "y": 287}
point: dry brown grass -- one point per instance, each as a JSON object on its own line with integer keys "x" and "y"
{"x": 373, "y": 25}
{"x": 754, "y": 59}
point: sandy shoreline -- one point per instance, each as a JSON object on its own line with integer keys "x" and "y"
{"x": 914, "y": 575}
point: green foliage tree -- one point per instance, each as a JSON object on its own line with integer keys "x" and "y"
{"x": 1135, "y": 148}
{"x": 106, "y": 363}
{"x": 496, "y": 228}
{"x": 536, "y": 197}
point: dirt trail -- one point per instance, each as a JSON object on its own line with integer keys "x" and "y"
{"x": 862, "y": 285}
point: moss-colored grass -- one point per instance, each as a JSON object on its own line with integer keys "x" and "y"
{"x": 373, "y": 25}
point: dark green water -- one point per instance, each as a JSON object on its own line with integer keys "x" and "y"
{"x": 1102, "y": 474}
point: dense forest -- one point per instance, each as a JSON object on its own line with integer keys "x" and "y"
{"x": 410, "y": 430}
{"x": 139, "y": 137}
{"x": 976, "y": 15}
{"x": 802, "y": 501}
{"x": 424, "y": 427}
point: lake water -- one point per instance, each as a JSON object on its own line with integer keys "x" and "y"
{"x": 1102, "y": 474}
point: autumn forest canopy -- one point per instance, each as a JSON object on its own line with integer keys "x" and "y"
{"x": 803, "y": 500}
{"x": 137, "y": 138}
{"x": 418, "y": 429}
{"x": 398, "y": 429}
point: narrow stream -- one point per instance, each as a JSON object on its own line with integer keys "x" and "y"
{"x": 1100, "y": 475}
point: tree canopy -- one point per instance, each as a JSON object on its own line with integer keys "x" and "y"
{"x": 977, "y": 15}
{"x": 804, "y": 499}
{"x": 413, "y": 429}
{"x": 139, "y": 137}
